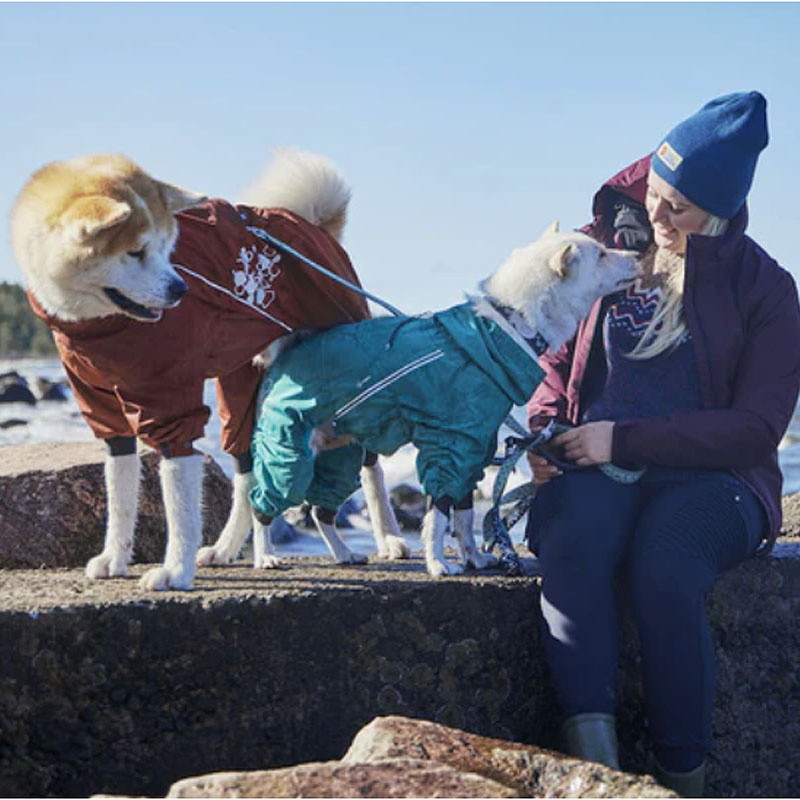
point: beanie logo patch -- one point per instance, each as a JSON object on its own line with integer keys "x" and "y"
{"x": 669, "y": 156}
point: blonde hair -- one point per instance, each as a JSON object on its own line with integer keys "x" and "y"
{"x": 668, "y": 325}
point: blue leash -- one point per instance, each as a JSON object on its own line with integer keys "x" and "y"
{"x": 262, "y": 234}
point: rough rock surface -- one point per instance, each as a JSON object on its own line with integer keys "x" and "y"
{"x": 53, "y": 505}
{"x": 106, "y": 688}
{"x": 531, "y": 771}
{"x": 394, "y": 778}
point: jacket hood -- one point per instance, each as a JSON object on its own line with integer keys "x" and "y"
{"x": 630, "y": 182}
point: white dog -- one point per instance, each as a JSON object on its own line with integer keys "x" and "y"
{"x": 139, "y": 327}
{"x": 444, "y": 381}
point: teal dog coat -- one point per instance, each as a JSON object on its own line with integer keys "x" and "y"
{"x": 444, "y": 382}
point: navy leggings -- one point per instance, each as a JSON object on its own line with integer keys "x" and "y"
{"x": 664, "y": 540}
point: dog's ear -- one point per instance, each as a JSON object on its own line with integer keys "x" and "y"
{"x": 88, "y": 216}
{"x": 559, "y": 261}
{"x": 551, "y": 228}
{"x": 177, "y": 199}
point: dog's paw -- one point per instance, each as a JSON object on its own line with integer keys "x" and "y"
{"x": 394, "y": 548}
{"x": 210, "y": 557}
{"x": 106, "y": 566}
{"x": 352, "y": 558}
{"x": 438, "y": 568}
{"x": 268, "y": 562}
{"x": 162, "y": 579}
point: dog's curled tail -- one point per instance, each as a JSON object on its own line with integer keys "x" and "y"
{"x": 305, "y": 183}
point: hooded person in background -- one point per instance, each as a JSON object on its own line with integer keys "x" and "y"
{"x": 693, "y": 373}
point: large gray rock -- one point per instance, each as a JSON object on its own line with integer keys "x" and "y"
{"x": 531, "y": 771}
{"x": 53, "y": 505}
{"x": 394, "y": 778}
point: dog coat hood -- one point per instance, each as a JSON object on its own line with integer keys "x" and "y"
{"x": 146, "y": 379}
{"x": 443, "y": 381}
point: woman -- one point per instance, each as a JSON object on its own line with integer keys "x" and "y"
{"x": 692, "y": 373}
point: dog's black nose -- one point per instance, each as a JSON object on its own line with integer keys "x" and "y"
{"x": 176, "y": 290}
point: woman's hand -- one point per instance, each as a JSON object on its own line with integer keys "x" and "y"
{"x": 587, "y": 444}
{"x": 541, "y": 469}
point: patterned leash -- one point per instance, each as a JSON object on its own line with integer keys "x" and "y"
{"x": 496, "y": 526}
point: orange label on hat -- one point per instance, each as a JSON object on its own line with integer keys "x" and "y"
{"x": 668, "y": 155}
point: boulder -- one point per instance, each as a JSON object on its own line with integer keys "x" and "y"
{"x": 14, "y": 389}
{"x": 531, "y": 771}
{"x": 394, "y": 778}
{"x": 402, "y": 757}
{"x": 409, "y": 506}
{"x": 51, "y": 390}
{"x": 53, "y": 505}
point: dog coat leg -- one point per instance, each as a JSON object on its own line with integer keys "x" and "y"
{"x": 122, "y": 477}
{"x": 323, "y": 518}
{"x": 384, "y": 525}
{"x": 182, "y": 488}
{"x": 434, "y": 527}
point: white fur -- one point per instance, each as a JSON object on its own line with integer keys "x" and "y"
{"x": 341, "y": 552}
{"x": 182, "y": 489}
{"x": 234, "y": 534}
{"x": 390, "y": 542}
{"x": 434, "y": 528}
{"x": 554, "y": 294}
{"x": 122, "y": 477}
{"x": 463, "y": 531}
{"x": 264, "y": 556}
{"x": 307, "y": 184}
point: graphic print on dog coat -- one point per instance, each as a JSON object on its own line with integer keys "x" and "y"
{"x": 145, "y": 379}
{"x": 444, "y": 382}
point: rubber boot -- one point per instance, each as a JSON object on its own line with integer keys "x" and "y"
{"x": 592, "y": 737}
{"x": 686, "y": 784}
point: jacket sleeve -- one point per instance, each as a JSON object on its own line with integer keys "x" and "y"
{"x": 98, "y": 404}
{"x": 237, "y": 394}
{"x": 763, "y": 400}
{"x": 550, "y": 397}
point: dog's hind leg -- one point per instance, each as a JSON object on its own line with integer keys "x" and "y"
{"x": 323, "y": 518}
{"x": 233, "y": 535}
{"x": 463, "y": 521}
{"x": 384, "y": 525}
{"x": 182, "y": 488}
{"x": 122, "y": 478}
{"x": 264, "y": 556}
{"x": 434, "y": 527}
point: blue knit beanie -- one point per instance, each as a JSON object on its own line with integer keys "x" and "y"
{"x": 710, "y": 157}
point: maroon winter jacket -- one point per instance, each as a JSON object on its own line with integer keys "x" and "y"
{"x": 742, "y": 310}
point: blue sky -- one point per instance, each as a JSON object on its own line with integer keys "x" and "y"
{"x": 463, "y": 128}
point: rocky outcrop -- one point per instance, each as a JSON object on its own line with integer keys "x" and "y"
{"x": 530, "y": 771}
{"x": 14, "y": 389}
{"x": 395, "y": 778}
{"x": 53, "y": 505}
{"x": 401, "y": 757}
{"x": 106, "y": 688}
